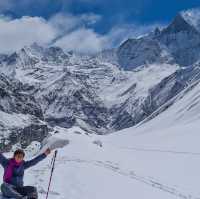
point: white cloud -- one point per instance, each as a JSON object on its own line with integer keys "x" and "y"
{"x": 87, "y": 40}
{"x": 120, "y": 33}
{"x": 67, "y": 31}
{"x": 192, "y": 16}
{"x": 68, "y": 22}
{"x": 75, "y": 32}
{"x": 17, "y": 33}
{"x": 82, "y": 40}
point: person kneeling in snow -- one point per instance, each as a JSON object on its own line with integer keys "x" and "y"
{"x": 12, "y": 186}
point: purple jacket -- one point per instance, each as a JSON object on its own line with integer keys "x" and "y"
{"x": 18, "y": 172}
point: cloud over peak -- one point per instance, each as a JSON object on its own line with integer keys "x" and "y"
{"x": 16, "y": 33}
{"x": 65, "y": 30}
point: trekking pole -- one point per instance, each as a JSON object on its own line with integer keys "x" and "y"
{"x": 52, "y": 169}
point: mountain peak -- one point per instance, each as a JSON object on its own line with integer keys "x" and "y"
{"x": 157, "y": 31}
{"x": 179, "y": 24}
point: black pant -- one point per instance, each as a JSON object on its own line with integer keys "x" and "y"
{"x": 29, "y": 191}
{"x": 11, "y": 191}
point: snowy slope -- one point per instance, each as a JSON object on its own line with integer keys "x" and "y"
{"x": 154, "y": 160}
{"x": 136, "y": 84}
{"x": 158, "y": 159}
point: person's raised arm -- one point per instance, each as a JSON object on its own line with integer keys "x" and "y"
{"x": 3, "y": 160}
{"x": 37, "y": 159}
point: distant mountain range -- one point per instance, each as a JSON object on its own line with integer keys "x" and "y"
{"x": 42, "y": 87}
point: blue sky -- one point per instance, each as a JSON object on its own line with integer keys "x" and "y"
{"x": 105, "y": 21}
{"x": 112, "y": 11}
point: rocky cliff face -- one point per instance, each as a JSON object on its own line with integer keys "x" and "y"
{"x": 14, "y": 98}
{"x": 21, "y": 115}
{"x": 177, "y": 43}
{"x": 87, "y": 91}
{"x": 182, "y": 40}
{"x": 142, "y": 51}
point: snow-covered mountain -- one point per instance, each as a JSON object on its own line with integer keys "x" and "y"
{"x": 182, "y": 40}
{"x": 177, "y": 43}
{"x": 82, "y": 90}
{"x": 158, "y": 159}
{"x": 114, "y": 89}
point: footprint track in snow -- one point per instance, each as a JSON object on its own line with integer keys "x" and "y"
{"x": 149, "y": 181}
